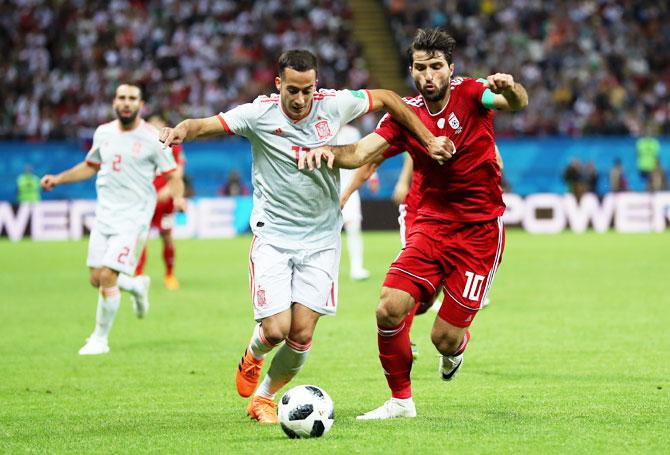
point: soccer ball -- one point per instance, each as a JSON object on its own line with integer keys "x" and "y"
{"x": 306, "y": 411}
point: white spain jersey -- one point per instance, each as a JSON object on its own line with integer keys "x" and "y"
{"x": 128, "y": 161}
{"x": 292, "y": 208}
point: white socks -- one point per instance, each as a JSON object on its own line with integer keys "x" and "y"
{"x": 285, "y": 365}
{"x": 128, "y": 283}
{"x": 259, "y": 346}
{"x": 108, "y": 304}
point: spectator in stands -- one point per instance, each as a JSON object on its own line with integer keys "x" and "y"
{"x": 573, "y": 178}
{"x": 61, "y": 61}
{"x": 618, "y": 182}
{"x": 648, "y": 149}
{"x": 590, "y": 178}
{"x": 658, "y": 181}
{"x": 27, "y": 186}
{"x": 234, "y": 186}
{"x": 592, "y": 67}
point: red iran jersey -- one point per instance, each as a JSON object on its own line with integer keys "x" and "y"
{"x": 467, "y": 188}
{"x": 160, "y": 181}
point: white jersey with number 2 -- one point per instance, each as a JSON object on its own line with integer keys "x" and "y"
{"x": 292, "y": 208}
{"x": 128, "y": 161}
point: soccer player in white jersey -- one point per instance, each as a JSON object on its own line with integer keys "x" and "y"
{"x": 351, "y": 210}
{"x": 296, "y": 219}
{"x": 125, "y": 155}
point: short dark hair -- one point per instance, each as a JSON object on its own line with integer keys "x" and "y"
{"x": 297, "y": 59}
{"x": 432, "y": 40}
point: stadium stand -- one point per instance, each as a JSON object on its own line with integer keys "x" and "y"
{"x": 597, "y": 67}
{"x": 60, "y": 65}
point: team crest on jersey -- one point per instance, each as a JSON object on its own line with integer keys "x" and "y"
{"x": 322, "y": 129}
{"x": 455, "y": 123}
{"x": 260, "y": 297}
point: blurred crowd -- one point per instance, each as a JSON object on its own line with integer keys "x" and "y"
{"x": 62, "y": 59}
{"x": 590, "y": 66}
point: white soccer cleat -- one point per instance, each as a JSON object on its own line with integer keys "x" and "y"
{"x": 95, "y": 346}
{"x": 140, "y": 298}
{"x": 360, "y": 274}
{"x": 449, "y": 366}
{"x": 392, "y": 409}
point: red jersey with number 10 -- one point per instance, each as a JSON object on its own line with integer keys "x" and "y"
{"x": 467, "y": 188}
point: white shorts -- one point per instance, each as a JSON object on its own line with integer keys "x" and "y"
{"x": 351, "y": 212}
{"x": 279, "y": 277}
{"x": 118, "y": 251}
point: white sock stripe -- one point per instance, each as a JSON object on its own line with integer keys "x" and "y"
{"x": 297, "y": 346}
{"x": 390, "y": 332}
{"x": 415, "y": 276}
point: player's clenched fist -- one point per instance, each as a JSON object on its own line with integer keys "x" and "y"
{"x": 500, "y": 82}
{"x": 441, "y": 148}
{"x": 48, "y": 182}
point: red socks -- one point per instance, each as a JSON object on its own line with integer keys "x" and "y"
{"x": 168, "y": 258}
{"x": 395, "y": 354}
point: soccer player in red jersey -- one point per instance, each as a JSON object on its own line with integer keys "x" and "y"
{"x": 457, "y": 238}
{"x": 164, "y": 214}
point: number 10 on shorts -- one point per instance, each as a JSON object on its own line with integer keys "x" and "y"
{"x": 473, "y": 286}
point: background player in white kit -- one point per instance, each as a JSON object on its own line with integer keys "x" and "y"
{"x": 296, "y": 219}
{"x": 351, "y": 210}
{"x": 125, "y": 155}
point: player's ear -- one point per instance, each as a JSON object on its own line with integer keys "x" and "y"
{"x": 278, "y": 82}
{"x": 451, "y": 69}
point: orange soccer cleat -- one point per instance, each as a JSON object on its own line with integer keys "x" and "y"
{"x": 263, "y": 409}
{"x": 248, "y": 373}
{"x": 171, "y": 282}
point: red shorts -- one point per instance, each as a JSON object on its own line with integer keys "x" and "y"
{"x": 163, "y": 218}
{"x": 463, "y": 257}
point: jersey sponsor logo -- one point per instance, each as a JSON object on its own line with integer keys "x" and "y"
{"x": 455, "y": 123}
{"x": 322, "y": 129}
{"x": 440, "y": 123}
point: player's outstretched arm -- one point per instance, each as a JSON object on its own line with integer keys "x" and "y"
{"x": 361, "y": 176}
{"x": 348, "y": 156}
{"x": 509, "y": 95}
{"x": 190, "y": 129}
{"x": 439, "y": 148}
{"x": 77, "y": 173}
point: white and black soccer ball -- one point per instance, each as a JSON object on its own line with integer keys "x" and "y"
{"x": 306, "y": 411}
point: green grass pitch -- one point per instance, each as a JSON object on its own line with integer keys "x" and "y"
{"x": 572, "y": 356}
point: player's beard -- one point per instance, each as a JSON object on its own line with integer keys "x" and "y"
{"x": 126, "y": 120}
{"x": 435, "y": 96}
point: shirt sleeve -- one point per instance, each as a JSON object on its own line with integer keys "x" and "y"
{"x": 239, "y": 120}
{"x": 351, "y": 104}
{"x": 93, "y": 157}
{"x": 164, "y": 160}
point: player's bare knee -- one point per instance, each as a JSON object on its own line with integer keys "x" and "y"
{"x": 303, "y": 337}
{"x": 393, "y": 307}
{"x": 275, "y": 333}
{"x": 445, "y": 342}
{"x": 107, "y": 277}
{"x": 94, "y": 278}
